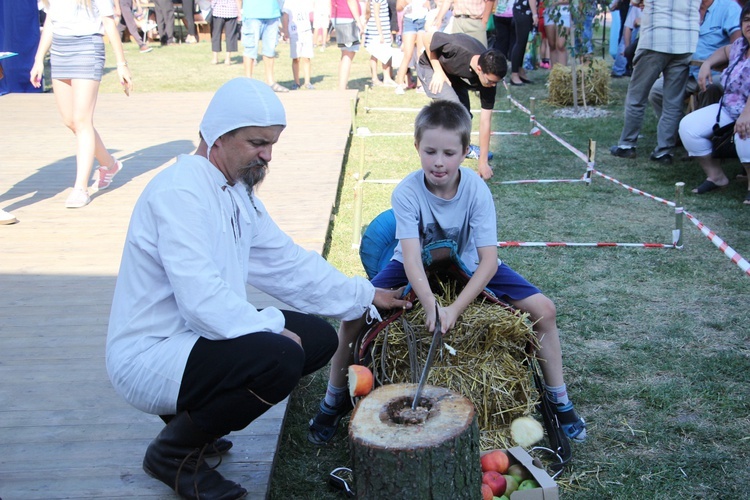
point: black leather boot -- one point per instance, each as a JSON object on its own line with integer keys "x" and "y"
{"x": 176, "y": 457}
{"x": 218, "y": 448}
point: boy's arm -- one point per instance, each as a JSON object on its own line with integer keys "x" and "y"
{"x": 412, "y": 253}
{"x": 285, "y": 25}
{"x": 483, "y": 274}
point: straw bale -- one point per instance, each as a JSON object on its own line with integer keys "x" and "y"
{"x": 595, "y": 76}
{"x": 488, "y": 366}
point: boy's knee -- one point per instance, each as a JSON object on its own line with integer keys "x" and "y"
{"x": 543, "y": 309}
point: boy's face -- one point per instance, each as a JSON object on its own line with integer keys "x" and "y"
{"x": 441, "y": 153}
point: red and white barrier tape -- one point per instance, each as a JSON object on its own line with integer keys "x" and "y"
{"x": 720, "y": 244}
{"x": 562, "y": 141}
{"x": 506, "y": 244}
{"x": 634, "y": 190}
{"x": 417, "y": 110}
{"x": 541, "y": 181}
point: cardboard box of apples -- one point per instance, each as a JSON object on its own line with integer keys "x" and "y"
{"x": 514, "y": 475}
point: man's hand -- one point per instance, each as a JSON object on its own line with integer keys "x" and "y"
{"x": 437, "y": 82}
{"x": 390, "y": 299}
{"x": 704, "y": 76}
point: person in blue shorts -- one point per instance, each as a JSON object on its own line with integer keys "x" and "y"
{"x": 445, "y": 201}
{"x": 260, "y": 26}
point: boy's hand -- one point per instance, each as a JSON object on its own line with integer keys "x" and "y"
{"x": 448, "y": 318}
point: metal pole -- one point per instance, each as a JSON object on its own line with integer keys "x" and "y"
{"x": 679, "y": 215}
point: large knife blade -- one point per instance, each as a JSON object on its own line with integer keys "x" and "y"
{"x": 430, "y": 356}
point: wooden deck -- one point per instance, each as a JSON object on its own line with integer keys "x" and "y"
{"x": 64, "y": 432}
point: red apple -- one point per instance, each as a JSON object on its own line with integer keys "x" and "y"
{"x": 486, "y": 492}
{"x": 495, "y": 481}
{"x": 495, "y": 460}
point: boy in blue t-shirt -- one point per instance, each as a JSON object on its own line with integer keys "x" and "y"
{"x": 446, "y": 201}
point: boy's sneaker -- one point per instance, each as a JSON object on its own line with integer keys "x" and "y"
{"x": 473, "y": 153}
{"x": 323, "y": 426}
{"x": 104, "y": 175}
{"x": 573, "y": 425}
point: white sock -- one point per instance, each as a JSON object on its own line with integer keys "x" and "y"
{"x": 557, "y": 394}
{"x": 336, "y": 396}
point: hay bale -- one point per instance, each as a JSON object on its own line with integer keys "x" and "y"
{"x": 595, "y": 78}
{"x": 483, "y": 358}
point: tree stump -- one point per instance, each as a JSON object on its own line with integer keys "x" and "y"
{"x": 428, "y": 453}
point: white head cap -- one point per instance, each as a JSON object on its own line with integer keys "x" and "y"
{"x": 241, "y": 102}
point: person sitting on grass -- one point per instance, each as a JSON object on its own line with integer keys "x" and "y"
{"x": 446, "y": 201}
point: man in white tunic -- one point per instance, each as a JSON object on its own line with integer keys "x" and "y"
{"x": 183, "y": 342}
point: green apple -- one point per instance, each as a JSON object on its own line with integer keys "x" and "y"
{"x": 528, "y": 484}
{"x": 519, "y": 472}
{"x": 511, "y": 484}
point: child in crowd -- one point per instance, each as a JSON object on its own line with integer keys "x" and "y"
{"x": 321, "y": 22}
{"x": 378, "y": 41}
{"x": 295, "y": 23}
{"x": 446, "y": 201}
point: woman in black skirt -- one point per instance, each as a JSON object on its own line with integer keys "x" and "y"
{"x": 73, "y": 34}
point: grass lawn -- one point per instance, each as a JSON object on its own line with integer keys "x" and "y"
{"x": 655, "y": 341}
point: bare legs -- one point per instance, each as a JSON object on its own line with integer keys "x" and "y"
{"x": 543, "y": 314}
{"x": 343, "y": 357}
{"x": 249, "y": 65}
{"x": 714, "y": 172}
{"x": 76, "y": 100}
{"x": 304, "y": 62}
{"x": 345, "y": 66}
{"x": 408, "y": 42}
{"x": 557, "y": 39}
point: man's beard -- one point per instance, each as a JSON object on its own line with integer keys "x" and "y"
{"x": 253, "y": 174}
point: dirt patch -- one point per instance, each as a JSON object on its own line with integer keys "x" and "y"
{"x": 587, "y": 112}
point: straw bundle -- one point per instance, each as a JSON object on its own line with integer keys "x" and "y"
{"x": 482, "y": 357}
{"x": 593, "y": 78}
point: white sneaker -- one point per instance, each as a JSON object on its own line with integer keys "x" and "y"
{"x": 400, "y": 90}
{"x": 7, "y": 218}
{"x": 77, "y": 198}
